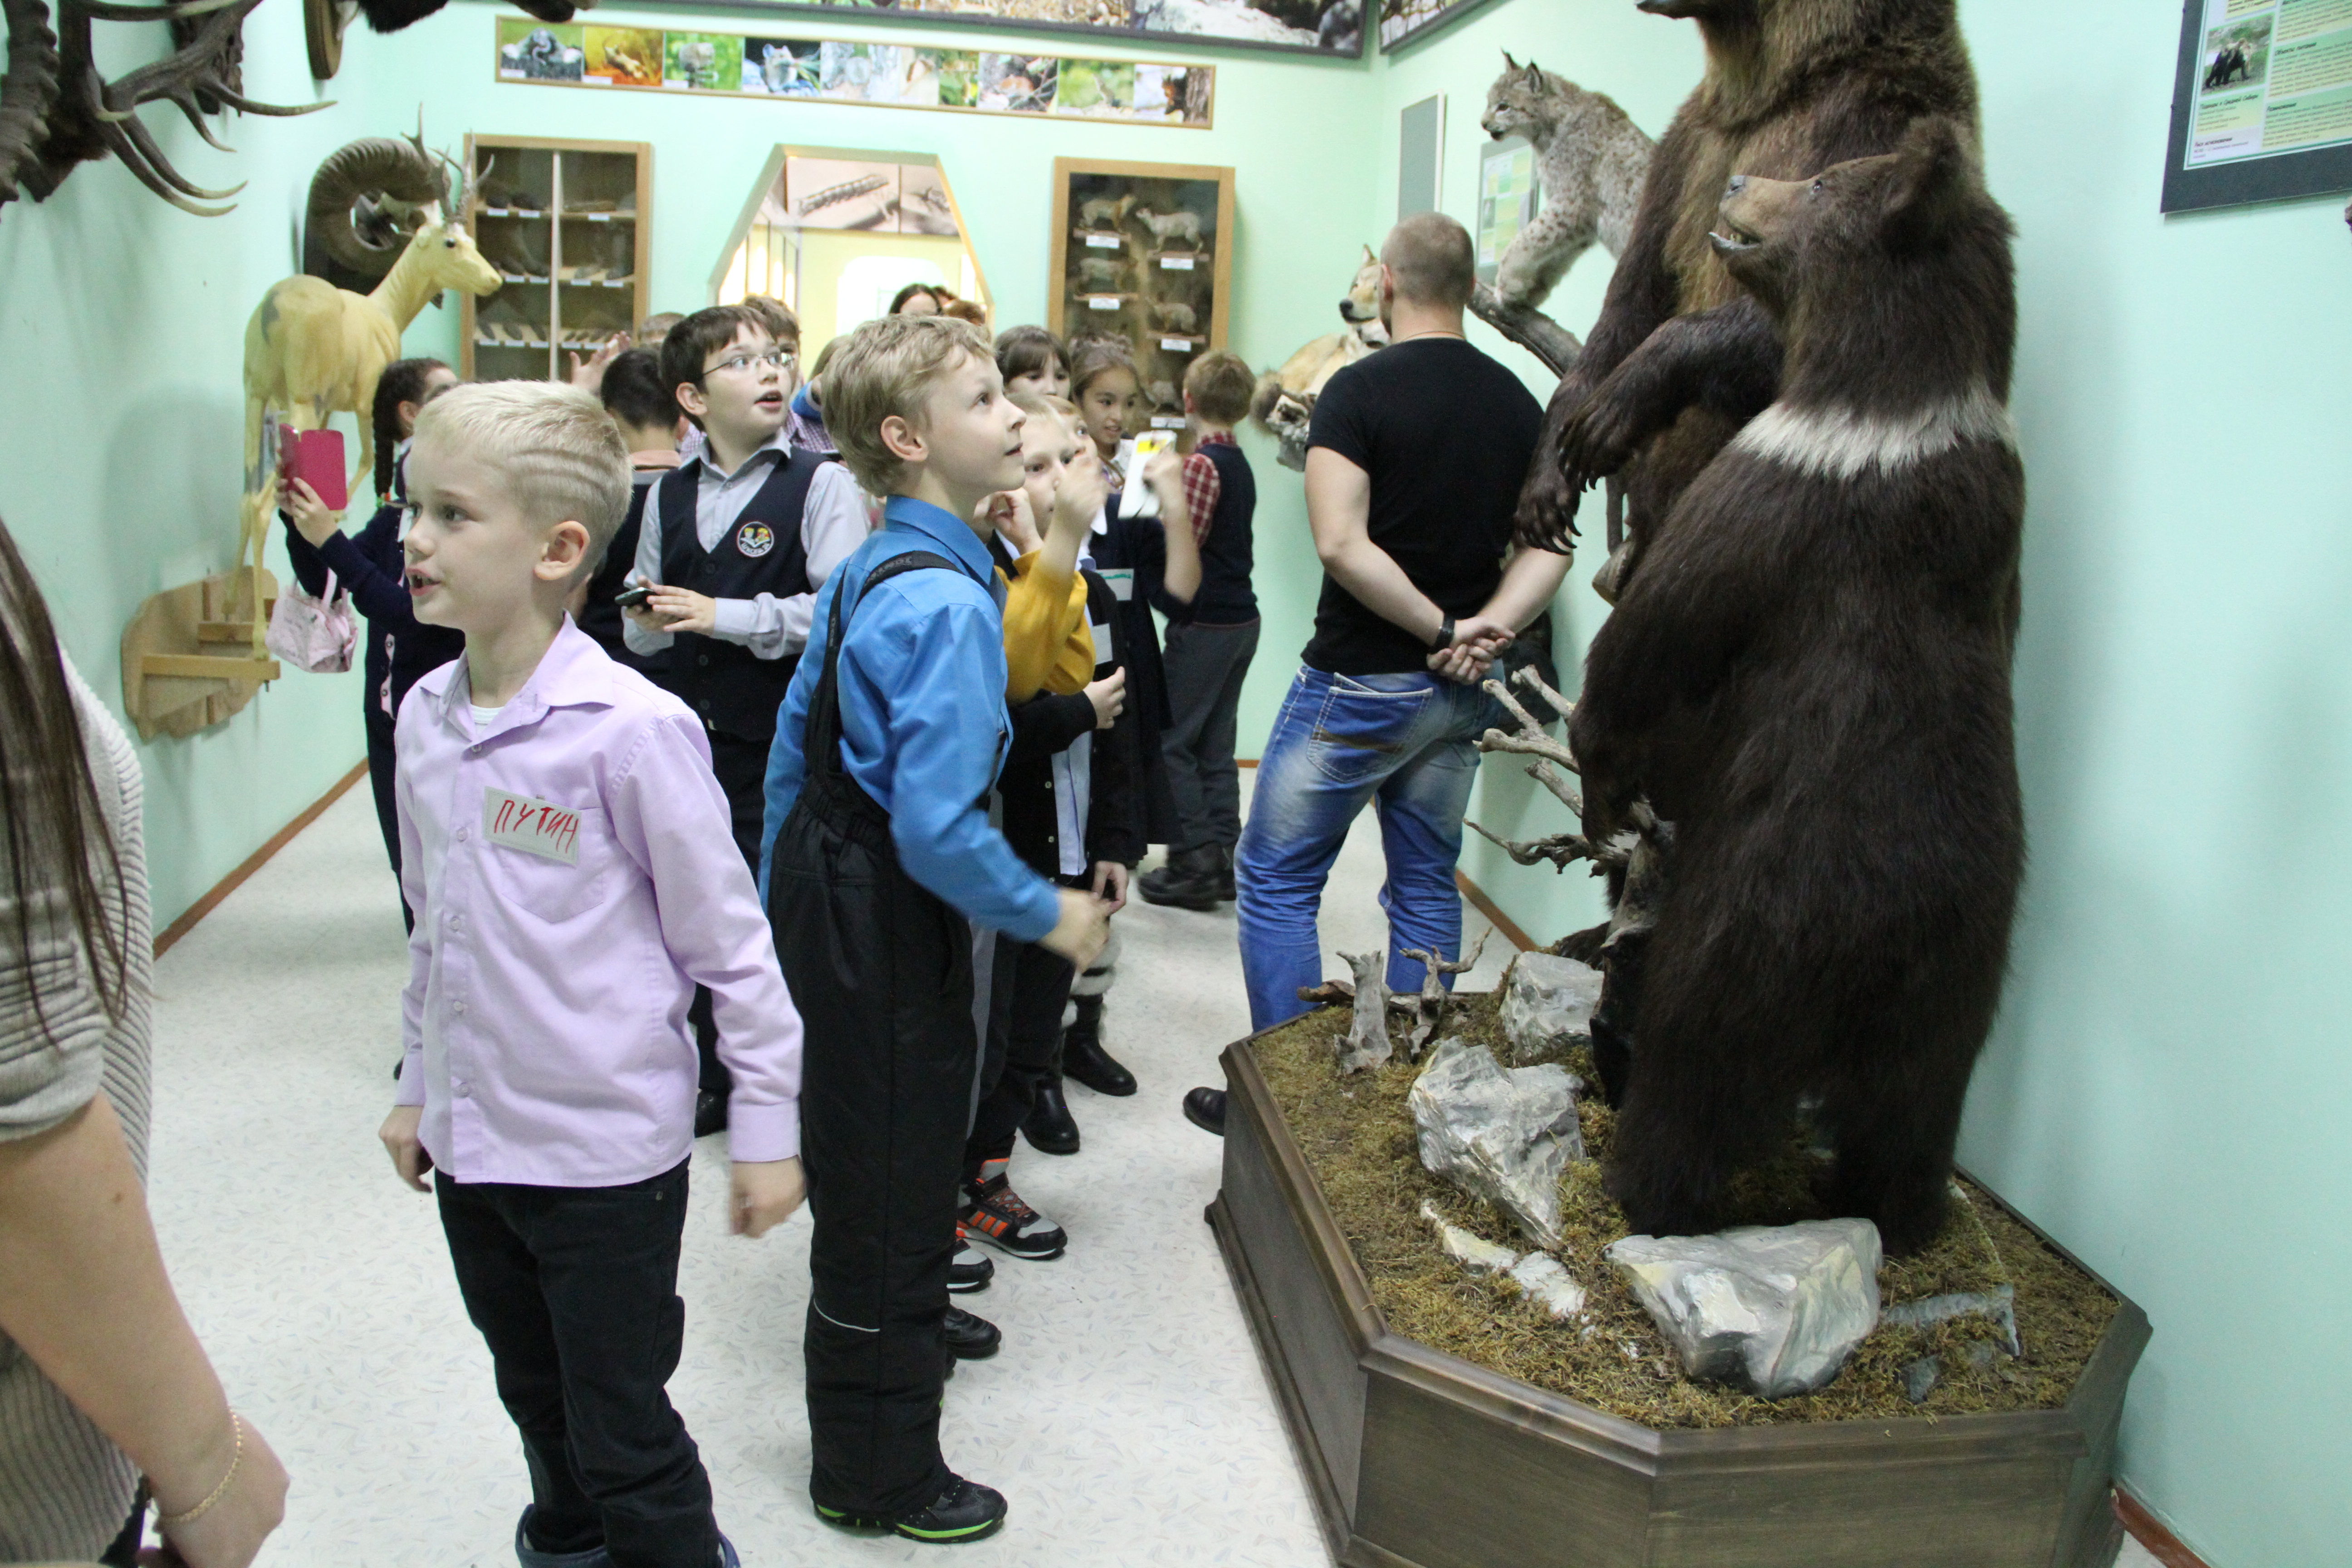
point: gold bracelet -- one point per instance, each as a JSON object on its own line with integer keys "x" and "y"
{"x": 174, "y": 1520}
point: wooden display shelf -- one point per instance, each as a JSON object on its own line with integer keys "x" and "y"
{"x": 171, "y": 684}
{"x": 587, "y": 187}
{"x": 1415, "y": 1458}
{"x": 1201, "y": 275}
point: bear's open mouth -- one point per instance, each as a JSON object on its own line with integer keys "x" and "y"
{"x": 1737, "y": 239}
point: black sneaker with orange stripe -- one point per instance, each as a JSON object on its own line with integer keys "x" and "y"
{"x": 994, "y": 1215}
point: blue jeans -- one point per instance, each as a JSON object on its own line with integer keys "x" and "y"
{"x": 1406, "y": 743}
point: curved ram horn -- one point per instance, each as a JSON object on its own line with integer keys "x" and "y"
{"x": 384, "y": 166}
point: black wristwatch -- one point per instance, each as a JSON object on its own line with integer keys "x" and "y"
{"x": 1445, "y": 634}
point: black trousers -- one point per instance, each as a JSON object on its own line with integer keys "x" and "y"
{"x": 383, "y": 768}
{"x": 881, "y": 971}
{"x": 741, "y": 766}
{"x": 1025, "y": 1038}
{"x": 1206, "y": 667}
{"x": 575, "y": 1292}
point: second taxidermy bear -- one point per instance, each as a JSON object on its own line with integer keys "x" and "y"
{"x": 1810, "y": 678}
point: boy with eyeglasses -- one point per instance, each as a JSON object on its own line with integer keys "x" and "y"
{"x": 734, "y": 545}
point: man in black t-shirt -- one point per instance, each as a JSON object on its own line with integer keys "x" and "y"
{"x": 1413, "y": 467}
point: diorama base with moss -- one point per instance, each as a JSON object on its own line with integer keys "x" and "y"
{"x": 1443, "y": 1419}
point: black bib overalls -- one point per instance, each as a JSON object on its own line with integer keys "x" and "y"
{"x": 881, "y": 971}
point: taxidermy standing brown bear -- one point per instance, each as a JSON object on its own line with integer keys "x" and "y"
{"x": 1810, "y": 678}
{"x": 1680, "y": 358}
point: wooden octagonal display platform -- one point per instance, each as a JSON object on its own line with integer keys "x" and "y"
{"x": 1415, "y": 1458}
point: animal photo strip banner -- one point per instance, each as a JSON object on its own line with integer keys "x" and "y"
{"x": 1142, "y": 92}
{"x": 2261, "y": 103}
{"x": 1328, "y": 27}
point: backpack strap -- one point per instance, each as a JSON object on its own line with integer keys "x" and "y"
{"x": 822, "y": 745}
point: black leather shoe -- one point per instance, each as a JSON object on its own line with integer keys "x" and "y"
{"x": 971, "y": 1338}
{"x": 709, "y": 1113}
{"x": 1084, "y": 1059}
{"x": 1206, "y": 1109}
{"x": 1049, "y": 1126}
{"x": 1187, "y": 881}
{"x": 966, "y": 1510}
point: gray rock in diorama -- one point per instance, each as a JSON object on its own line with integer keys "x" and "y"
{"x": 1499, "y": 1134}
{"x": 1541, "y": 1276}
{"x": 1548, "y": 1004}
{"x": 1775, "y": 1309}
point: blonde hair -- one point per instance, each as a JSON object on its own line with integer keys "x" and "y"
{"x": 887, "y": 366}
{"x": 559, "y": 453}
{"x": 1043, "y": 405}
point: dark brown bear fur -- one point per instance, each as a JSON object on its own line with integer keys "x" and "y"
{"x": 1680, "y": 359}
{"x": 1809, "y": 678}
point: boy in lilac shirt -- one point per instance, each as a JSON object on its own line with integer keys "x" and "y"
{"x": 566, "y": 849}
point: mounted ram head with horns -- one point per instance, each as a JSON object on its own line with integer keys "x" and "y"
{"x": 57, "y": 111}
{"x": 367, "y": 200}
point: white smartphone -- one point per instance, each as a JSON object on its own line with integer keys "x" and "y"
{"x": 1141, "y": 500}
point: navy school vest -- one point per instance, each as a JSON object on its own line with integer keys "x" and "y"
{"x": 727, "y": 686}
{"x": 1225, "y": 598}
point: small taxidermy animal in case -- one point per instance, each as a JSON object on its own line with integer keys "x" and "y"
{"x": 1176, "y": 318}
{"x": 1167, "y": 226}
{"x": 1099, "y": 272}
{"x": 1105, "y": 214}
{"x": 1164, "y": 394}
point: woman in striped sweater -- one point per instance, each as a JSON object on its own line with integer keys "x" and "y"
{"x": 102, "y": 1380}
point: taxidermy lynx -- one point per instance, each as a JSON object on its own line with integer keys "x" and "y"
{"x": 1592, "y": 158}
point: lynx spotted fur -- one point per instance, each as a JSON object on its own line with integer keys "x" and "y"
{"x": 1591, "y": 157}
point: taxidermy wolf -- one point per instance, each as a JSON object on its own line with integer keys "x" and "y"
{"x": 1591, "y": 157}
{"x": 1285, "y": 402}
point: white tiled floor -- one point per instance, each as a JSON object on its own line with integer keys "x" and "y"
{"x": 1125, "y": 1419}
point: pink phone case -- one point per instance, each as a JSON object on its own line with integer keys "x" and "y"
{"x": 316, "y": 458}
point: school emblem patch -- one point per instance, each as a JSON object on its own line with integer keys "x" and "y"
{"x": 755, "y": 540}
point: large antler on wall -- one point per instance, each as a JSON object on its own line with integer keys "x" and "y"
{"x": 91, "y": 117}
{"x": 28, "y": 86}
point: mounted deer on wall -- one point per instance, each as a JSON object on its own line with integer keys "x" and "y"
{"x": 312, "y": 349}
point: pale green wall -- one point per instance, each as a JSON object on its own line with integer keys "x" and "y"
{"x": 2168, "y": 1091}
{"x": 121, "y": 326}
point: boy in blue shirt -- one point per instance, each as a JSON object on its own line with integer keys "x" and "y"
{"x": 878, "y": 859}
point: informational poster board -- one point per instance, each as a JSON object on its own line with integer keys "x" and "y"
{"x": 1420, "y": 157}
{"x": 2262, "y": 106}
{"x": 1509, "y": 194}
